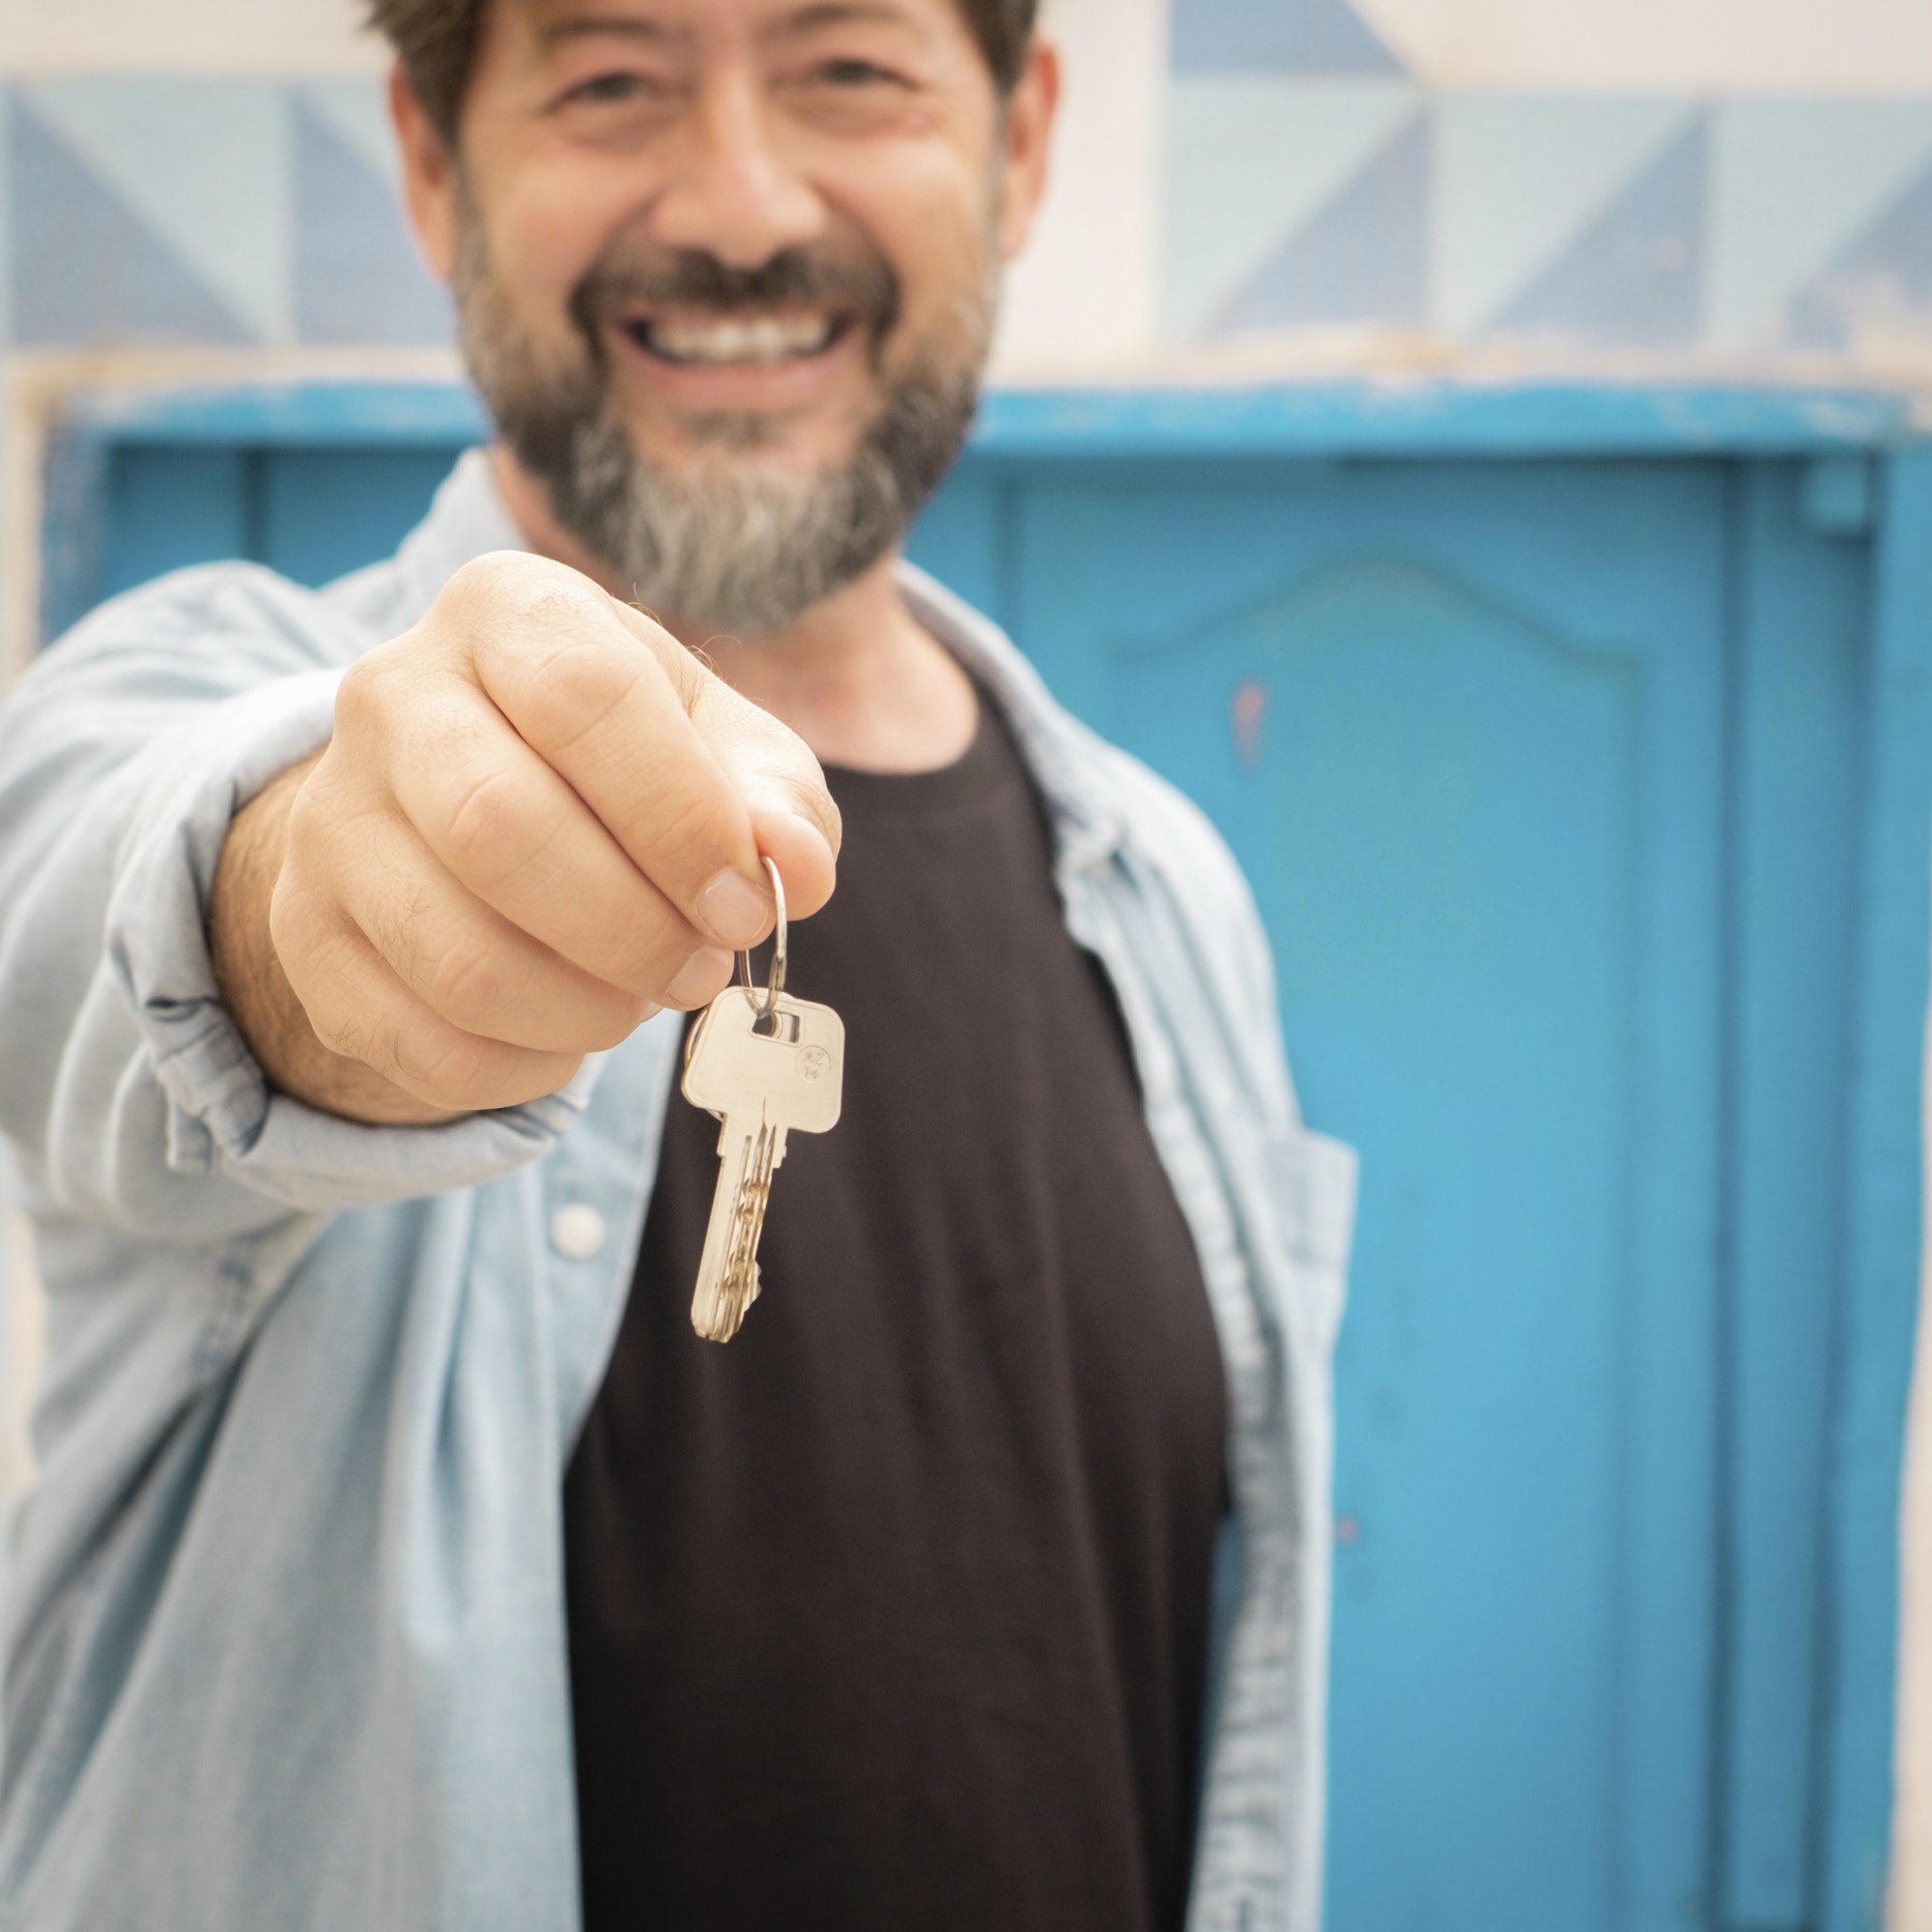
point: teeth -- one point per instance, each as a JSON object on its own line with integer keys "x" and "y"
{"x": 756, "y": 339}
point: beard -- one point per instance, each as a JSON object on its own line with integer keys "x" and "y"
{"x": 730, "y": 539}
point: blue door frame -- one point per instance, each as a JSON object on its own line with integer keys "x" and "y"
{"x": 1747, "y": 1721}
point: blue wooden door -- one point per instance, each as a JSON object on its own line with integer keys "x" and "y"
{"x": 1546, "y": 776}
{"x": 1556, "y": 781}
{"x": 1464, "y": 728}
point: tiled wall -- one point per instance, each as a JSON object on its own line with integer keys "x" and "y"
{"x": 1312, "y": 183}
{"x": 1313, "y": 186}
{"x": 226, "y": 212}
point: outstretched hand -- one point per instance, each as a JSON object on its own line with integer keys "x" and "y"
{"x": 539, "y": 822}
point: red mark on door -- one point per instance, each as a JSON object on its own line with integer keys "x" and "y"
{"x": 1251, "y": 703}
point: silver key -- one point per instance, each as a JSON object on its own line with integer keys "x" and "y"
{"x": 766, "y": 1064}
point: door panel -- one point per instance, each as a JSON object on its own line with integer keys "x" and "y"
{"x": 322, "y": 513}
{"x": 1473, "y": 766}
{"x": 1802, "y": 661}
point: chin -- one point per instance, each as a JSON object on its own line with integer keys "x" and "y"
{"x": 779, "y": 446}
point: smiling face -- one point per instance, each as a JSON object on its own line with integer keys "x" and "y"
{"x": 726, "y": 272}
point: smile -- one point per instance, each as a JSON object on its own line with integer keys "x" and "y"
{"x": 737, "y": 341}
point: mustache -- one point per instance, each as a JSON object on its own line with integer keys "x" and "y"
{"x": 805, "y": 277}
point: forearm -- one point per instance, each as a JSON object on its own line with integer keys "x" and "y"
{"x": 256, "y": 990}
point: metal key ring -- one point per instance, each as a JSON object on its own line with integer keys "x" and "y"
{"x": 775, "y": 985}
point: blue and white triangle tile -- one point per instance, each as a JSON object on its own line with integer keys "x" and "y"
{"x": 5, "y": 215}
{"x": 87, "y": 265}
{"x": 1251, "y": 159}
{"x": 357, "y": 277}
{"x": 1518, "y": 178}
{"x": 1361, "y": 258}
{"x": 1633, "y": 277}
{"x": 1276, "y": 36}
{"x": 1796, "y": 187}
{"x": 1875, "y": 296}
{"x": 203, "y": 165}
{"x": 355, "y": 110}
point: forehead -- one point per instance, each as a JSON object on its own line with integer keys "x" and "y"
{"x": 688, "y": 23}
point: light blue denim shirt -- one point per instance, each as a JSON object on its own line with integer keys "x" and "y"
{"x": 285, "y": 1639}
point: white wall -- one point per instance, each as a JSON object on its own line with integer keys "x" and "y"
{"x": 1809, "y": 47}
{"x": 1087, "y": 292}
{"x": 42, "y": 37}
{"x": 1727, "y": 46}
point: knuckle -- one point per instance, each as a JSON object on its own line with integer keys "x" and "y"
{"x": 441, "y": 1062}
{"x": 465, "y": 1074}
{"x": 305, "y": 830}
{"x": 497, "y": 836}
{"x": 467, "y": 980}
{"x": 350, "y": 1035}
{"x": 496, "y": 577}
{"x": 574, "y": 686}
{"x": 479, "y": 816}
{"x": 356, "y": 707}
{"x": 361, "y": 698}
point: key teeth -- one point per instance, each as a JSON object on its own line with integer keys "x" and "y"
{"x": 728, "y": 1277}
{"x": 726, "y": 1314}
{"x": 720, "y": 1329}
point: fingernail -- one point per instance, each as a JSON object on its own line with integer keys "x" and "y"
{"x": 704, "y": 977}
{"x": 733, "y": 910}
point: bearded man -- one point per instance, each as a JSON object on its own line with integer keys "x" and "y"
{"x": 400, "y": 1557}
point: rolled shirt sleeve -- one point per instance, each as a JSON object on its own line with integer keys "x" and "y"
{"x": 126, "y": 1087}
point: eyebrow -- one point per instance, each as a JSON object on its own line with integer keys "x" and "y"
{"x": 603, "y": 26}
{"x": 836, "y": 13}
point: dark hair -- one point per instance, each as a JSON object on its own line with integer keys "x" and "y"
{"x": 435, "y": 40}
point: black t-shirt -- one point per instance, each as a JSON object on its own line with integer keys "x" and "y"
{"x": 892, "y": 1613}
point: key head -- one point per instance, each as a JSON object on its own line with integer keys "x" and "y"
{"x": 792, "y": 1075}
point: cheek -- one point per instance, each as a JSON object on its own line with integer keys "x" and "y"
{"x": 936, "y": 230}
{"x": 547, "y": 228}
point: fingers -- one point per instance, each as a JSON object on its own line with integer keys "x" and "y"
{"x": 683, "y": 773}
{"x": 472, "y": 966}
{"x": 594, "y": 703}
{"x": 359, "y": 1008}
{"x": 539, "y": 820}
{"x": 512, "y": 834}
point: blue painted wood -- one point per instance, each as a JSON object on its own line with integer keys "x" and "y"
{"x": 304, "y": 415}
{"x": 1801, "y": 623}
{"x": 1879, "y": 1309}
{"x": 168, "y": 505}
{"x": 1432, "y": 417}
{"x": 322, "y": 512}
{"x": 1472, "y": 763}
{"x": 963, "y": 536}
{"x": 1840, "y": 495}
{"x": 1553, "y": 777}
{"x": 1420, "y": 417}
{"x": 310, "y": 512}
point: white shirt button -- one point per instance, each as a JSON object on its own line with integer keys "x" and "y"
{"x": 577, "y": 1232}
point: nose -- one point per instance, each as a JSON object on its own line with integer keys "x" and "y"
{"x": 735, "y": 196}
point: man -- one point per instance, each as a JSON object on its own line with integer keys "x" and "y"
{"x": 400, "y": 1557}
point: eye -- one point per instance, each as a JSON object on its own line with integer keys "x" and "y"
{"x": 852, "y": 73}
{"x": 606, "y": 87}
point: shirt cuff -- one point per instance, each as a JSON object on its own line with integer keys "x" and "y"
{"x": 222, "y": 1116}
